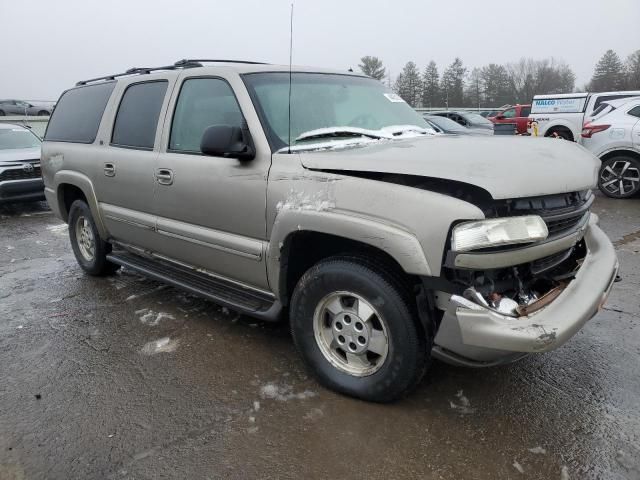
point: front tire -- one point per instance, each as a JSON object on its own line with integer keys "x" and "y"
{"x": 89, "y": 249}
{"x": 620, "y": 177}
{"x": 357, "y": 331}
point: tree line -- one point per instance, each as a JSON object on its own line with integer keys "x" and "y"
{"x": 495, "y": 84}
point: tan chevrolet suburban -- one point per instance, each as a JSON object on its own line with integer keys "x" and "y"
{"x": 321, "y": 197}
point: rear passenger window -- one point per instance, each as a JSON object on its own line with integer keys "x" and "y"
{"x": 137, "y": 117}
{"x": 77, "y": 115}
{"x": 635, "y": 111}
{"x": 525, "y": 111}
{"x": 203, "y": 102}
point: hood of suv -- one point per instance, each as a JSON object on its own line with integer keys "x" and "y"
{"x": 19, "y": 155}
{"x": 506, "y": 167}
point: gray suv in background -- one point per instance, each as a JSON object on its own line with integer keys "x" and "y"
{"x": 321, "y": 197}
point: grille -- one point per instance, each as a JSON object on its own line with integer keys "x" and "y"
{"x": 546, "y": 263}
{"x": 564, "y": 224}
{"x": 20, "y": 174}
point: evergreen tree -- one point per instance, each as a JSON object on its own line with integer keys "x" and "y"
{"x": 452, "y": 84}
{"x": 474, "y": 96}
{"x": 609, "y": 73}
{"x": 372, "y": 67}
{"x": 431, "y": 86}
{"x": 632, "y": 67}
{"x": 408, "y": 84}
{"x": 497, "y": 85}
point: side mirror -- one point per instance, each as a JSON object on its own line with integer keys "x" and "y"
{"x": 227, "y": 141}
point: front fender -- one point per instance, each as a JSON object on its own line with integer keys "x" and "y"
{"x": 400, "y": 244}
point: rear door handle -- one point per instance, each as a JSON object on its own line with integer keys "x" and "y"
{"x": 164, "y": 176}
{"x": 109, "y": 169}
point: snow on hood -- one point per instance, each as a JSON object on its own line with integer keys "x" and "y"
{"x": 506, "y": 167}
{"x": 19, "y": 155}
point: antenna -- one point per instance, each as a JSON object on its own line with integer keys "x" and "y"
{"x": 290, "y": 61}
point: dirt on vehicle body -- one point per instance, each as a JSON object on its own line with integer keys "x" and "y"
{"x": 324, "y": 196}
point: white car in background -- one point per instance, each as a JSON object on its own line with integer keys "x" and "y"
{"x": 563, "y": 115}
{"x": 615, "y": 139}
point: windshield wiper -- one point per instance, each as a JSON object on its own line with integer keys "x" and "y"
{"x": 342, "y": 132}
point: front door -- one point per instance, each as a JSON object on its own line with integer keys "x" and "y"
{"x": 211, "y": 210}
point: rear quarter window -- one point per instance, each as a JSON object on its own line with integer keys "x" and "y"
{"x": 78, "y": 113}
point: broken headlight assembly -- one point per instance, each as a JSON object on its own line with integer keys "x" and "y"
{"x": 495, "y": 232}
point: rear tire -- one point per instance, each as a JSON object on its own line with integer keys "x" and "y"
{"x": 619, "y": 177}
{"x": 561, "y": 133}
{"x": 357, "y": 331}
{"x": 89, "y": 249}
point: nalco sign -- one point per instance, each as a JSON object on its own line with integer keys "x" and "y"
{"x": 558, "y": 105}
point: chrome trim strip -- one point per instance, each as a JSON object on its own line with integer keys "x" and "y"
{"x": 128, "y": 222}
{"x": 209, "y": 245}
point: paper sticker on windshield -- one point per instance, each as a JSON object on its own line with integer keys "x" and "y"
{"x": 392, "y": 97}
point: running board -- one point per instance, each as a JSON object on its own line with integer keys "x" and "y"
{"x": 227, "y": 294}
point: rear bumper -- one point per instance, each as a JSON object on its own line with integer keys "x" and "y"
{"x": 21, "y": 190}
{"x": 477, "y": 334}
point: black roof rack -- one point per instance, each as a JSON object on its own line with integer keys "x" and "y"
{"x": 184, "y": 63}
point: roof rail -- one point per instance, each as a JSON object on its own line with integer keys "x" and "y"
{"x": 184, "y": 63}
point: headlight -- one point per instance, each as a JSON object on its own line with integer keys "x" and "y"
{"x": 498, "y": 231}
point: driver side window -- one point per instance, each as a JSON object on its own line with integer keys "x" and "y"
{"x": 202, "y": 102}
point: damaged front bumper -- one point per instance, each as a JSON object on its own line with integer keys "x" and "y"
{"x": 473, "y": 335}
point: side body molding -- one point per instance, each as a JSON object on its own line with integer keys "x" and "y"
{"x": 400, "y": 244}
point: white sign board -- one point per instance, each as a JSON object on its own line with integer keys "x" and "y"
{"x": 558, "y": 105}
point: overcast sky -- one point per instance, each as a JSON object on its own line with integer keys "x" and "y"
{"x": 50, "y": 44}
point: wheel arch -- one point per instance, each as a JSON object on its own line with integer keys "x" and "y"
{"x": 71, "y": 186}
{"x": 620, "y": 151}
{"x": 300, "y": 240}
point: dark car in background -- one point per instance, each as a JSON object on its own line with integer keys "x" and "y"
{"x": 467, "y": 119}
{"x": 20, "y": 177}
{"x": 448, "y": 126}
{"x": 19, "y": 107}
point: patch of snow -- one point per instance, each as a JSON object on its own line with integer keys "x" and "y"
{"x": 283, "y": 393}
{"x": 518, "y": 467}
{"x": 252, "y": 419}
{"x": 538, "y": 450}
{"x": 564, "y": 473}
{"x": 149, "y": 317}
{"x": 10, "y": 247}
{"x": 162, "y": 345}
{"x": 60, "y": 229}
{"x": 463, "y": 405}
{"x": 256, "y": 406}
{"x": 314, "y": 414}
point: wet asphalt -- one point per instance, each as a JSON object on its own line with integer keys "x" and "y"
{"x": 124, "y": 378}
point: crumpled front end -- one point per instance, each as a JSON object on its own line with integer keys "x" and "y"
{"x": 501, "y": 304}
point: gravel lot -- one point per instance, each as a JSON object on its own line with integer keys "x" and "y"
{"x": 123, "y": 377}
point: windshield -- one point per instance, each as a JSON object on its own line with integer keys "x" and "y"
{"x": 320, "y": 101}
{"x": 477, "y": 119}
{"x": 446, "y": 124}
{"x": 14, "y": 138}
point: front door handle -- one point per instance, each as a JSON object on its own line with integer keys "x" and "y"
{"x": 164, "y": 176}
{"x": 109, "y": 169}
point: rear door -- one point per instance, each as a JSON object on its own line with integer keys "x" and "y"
{"x": 211, "y": 210}
{"x": 124, "y": 178}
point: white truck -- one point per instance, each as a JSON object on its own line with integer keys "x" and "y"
{"x": 563, "y": 115}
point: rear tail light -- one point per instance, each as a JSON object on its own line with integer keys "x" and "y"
{"x": 588, "y": 130}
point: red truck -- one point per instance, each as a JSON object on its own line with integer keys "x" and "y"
{"x": 518, "y": 114}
